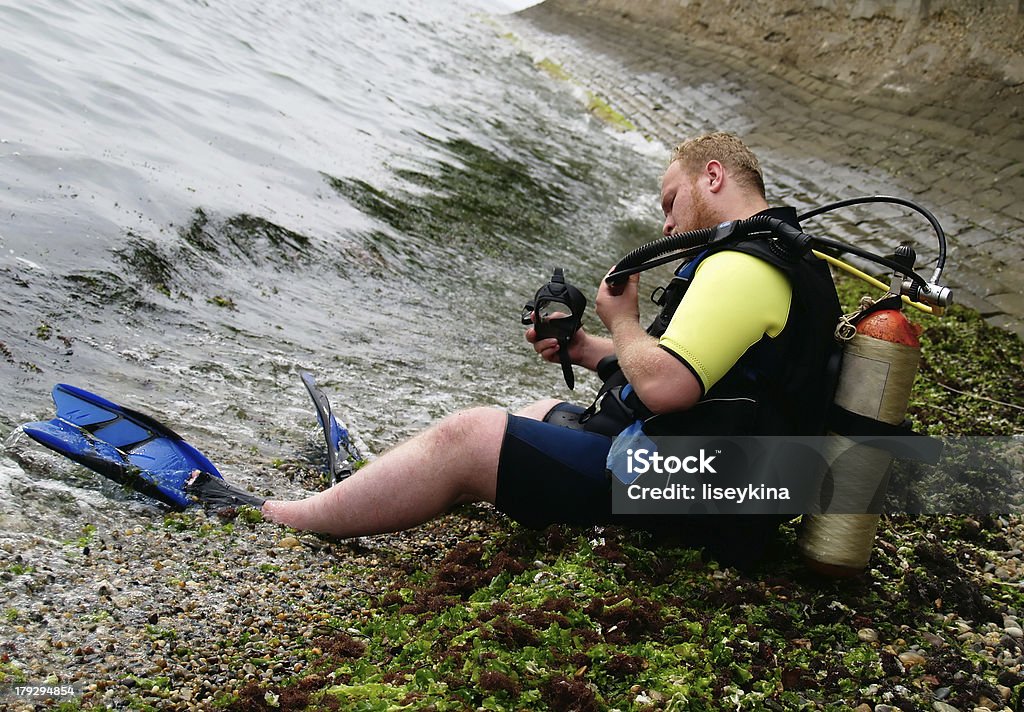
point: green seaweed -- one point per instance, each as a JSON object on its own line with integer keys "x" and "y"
{"x": 599, "y": 107}
{"x": 146, "y": 262}
{"x": 471, "y": 198}
{"x": 242, "y": 236}
{"x": 554, "y": 69}
{"x": 223, "y": 302}
{"x": 571, "y": 618}
{"x": 565, "y": 619}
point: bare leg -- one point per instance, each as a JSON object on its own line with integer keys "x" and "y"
{"x": 452, "y": 462}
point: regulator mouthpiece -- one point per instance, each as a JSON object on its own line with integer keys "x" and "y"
{"x": 556, "y": 312}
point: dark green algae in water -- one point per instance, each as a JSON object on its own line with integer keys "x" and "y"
{"x": 240, "y": 238}
{"x": 245, "y": 236}
{"x": 468, "y": 198}
{"x": 455, "y": 201}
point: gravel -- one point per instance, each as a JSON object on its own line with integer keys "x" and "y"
{"x": 177, "y": 610}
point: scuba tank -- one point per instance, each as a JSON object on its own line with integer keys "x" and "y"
{"x": 880, "y": 360}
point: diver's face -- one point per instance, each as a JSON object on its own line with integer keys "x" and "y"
{"x": 684, "y": 206}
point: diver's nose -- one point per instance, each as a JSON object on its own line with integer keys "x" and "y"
{"x": 668, "y": 227}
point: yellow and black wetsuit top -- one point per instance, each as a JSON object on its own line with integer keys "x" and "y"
{"x": 755, "y": 327}
{"x": 734, "y": 301}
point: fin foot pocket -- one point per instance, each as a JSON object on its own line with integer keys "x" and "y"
{"x": 215, "y": 492}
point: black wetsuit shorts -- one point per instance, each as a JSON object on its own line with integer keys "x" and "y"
{"x": 555, "y": 474}
{"x": 550, "y": 474}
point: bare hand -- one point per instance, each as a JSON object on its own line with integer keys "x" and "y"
{"x": 616, "y": 303}
{"x": 549, "y": 348}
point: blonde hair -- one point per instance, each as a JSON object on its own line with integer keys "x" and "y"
{"x": 727, "y": 149}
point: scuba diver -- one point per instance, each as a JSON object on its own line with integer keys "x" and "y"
{"x": 741, "y": 346}
{"x": 750, "y": 341}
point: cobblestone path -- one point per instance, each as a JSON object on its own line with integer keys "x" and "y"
{"x": 820, "y": 142}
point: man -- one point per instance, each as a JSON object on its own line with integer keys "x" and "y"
{"x": 740, "y": 315}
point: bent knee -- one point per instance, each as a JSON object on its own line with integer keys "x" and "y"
{"x": 472, "y": 424}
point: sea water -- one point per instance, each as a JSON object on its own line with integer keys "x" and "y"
{"x": 202, "y": 199}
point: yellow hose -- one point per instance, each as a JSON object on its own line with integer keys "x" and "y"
{"x": 846, "y": 267}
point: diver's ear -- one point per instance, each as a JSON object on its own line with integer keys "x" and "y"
{"x": 714, "y": 174}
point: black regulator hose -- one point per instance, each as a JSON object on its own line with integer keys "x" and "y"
{"x": 788, "y": 241}
{"x": 680, "y": 241}
{"x": 940, "y": 235}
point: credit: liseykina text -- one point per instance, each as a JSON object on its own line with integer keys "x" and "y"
{"x": 643, "y": 461}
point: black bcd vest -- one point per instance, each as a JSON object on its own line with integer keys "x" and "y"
{"x": 779, "y": 386}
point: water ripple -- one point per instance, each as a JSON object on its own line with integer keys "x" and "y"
{"x": 202, "y": 199}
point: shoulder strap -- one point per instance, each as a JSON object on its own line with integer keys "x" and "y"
{"x": 669, "y": 296}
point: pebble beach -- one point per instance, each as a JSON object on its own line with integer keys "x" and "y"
{"x": 193, "y": 610}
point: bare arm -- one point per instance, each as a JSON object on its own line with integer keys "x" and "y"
{"x": 661, "y": 381}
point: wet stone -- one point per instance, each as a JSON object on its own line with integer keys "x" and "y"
{"x": 868, "y": 635}
{"x": 910, "y": 659}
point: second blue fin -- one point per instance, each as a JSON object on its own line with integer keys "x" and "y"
{"x": 121, "y": 444}
{"x": 342, "y": 452}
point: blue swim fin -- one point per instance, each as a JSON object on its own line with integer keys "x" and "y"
{"x": 121, "y": 444}
{"x": 342, "y": 452}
